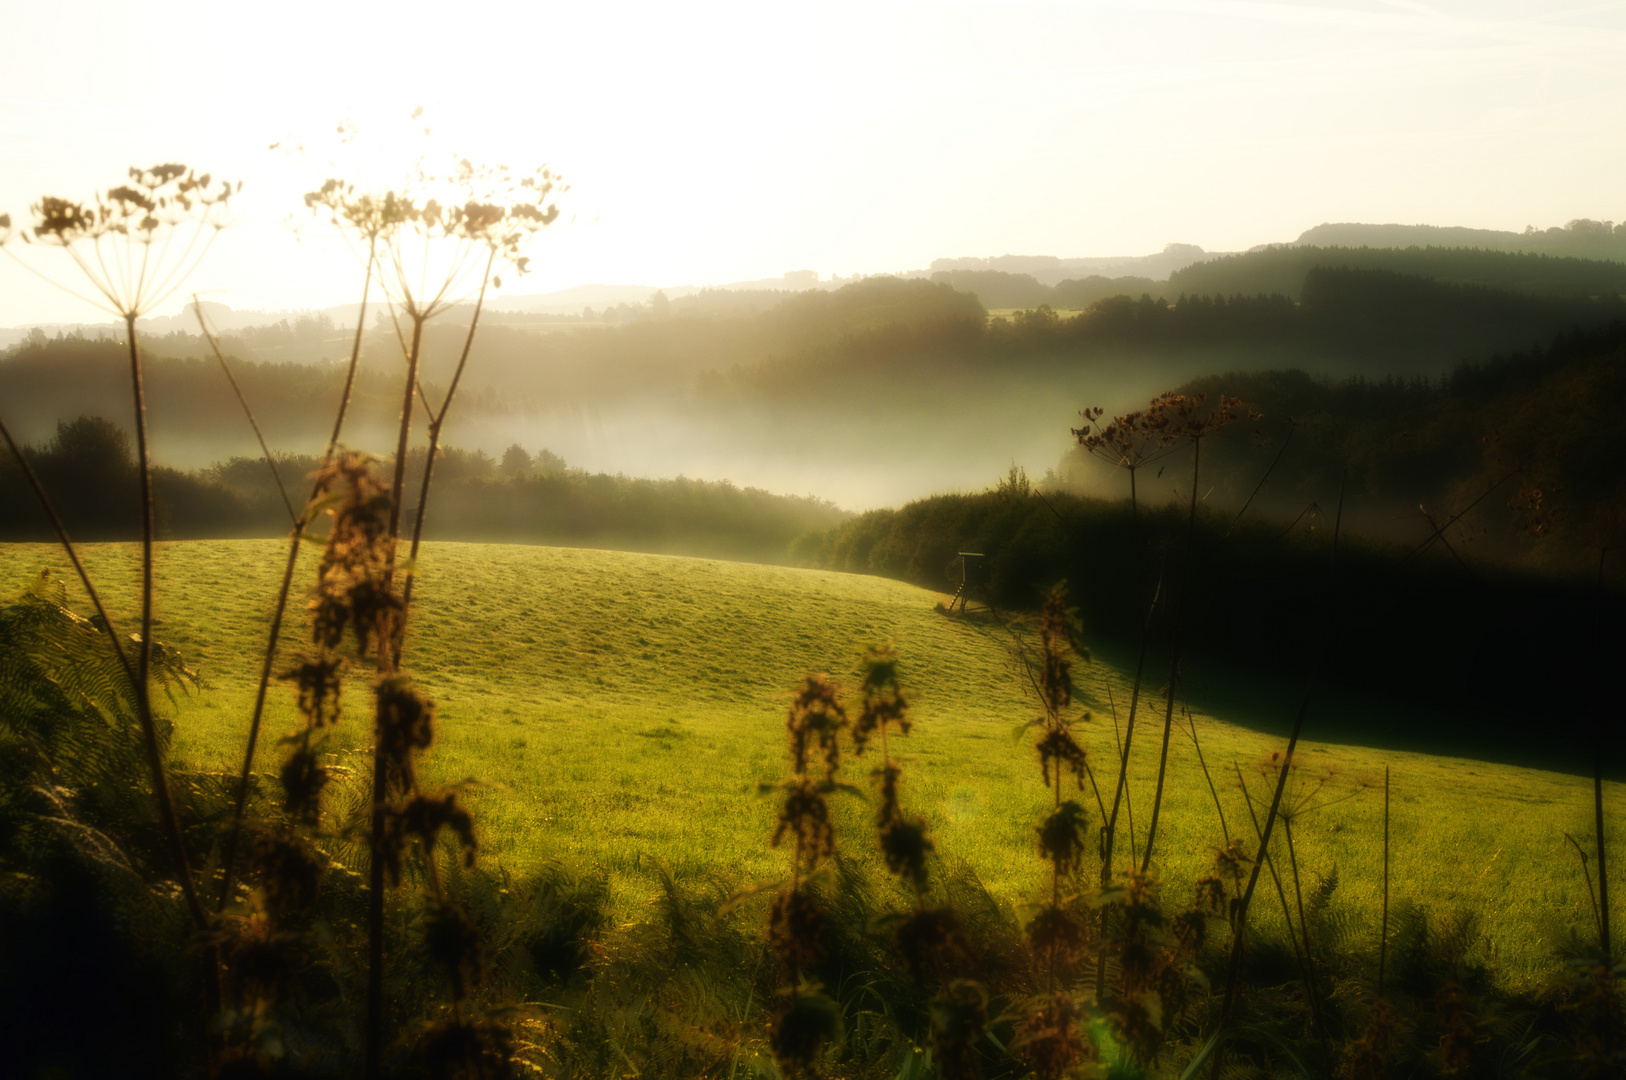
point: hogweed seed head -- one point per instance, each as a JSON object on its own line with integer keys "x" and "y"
{"x": 136, "y": 242}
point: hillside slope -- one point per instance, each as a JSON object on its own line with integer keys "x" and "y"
{"x": 618, "y": 710}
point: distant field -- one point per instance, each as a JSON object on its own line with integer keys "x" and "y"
{"x": 548, "y": 324}
{"x": 621, "y": 708}
{"x": 1012, "y": 312}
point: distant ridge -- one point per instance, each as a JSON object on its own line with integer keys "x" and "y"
{"x": 1580, "y": 239}
{"x": 1052, "y": 270}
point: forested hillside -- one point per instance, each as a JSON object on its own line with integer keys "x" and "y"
{"x": 1524, "y": 447}
{"x": 1282, "y": 270}
{"x": 808, "y": 392}
{"x": 90, "y": 472}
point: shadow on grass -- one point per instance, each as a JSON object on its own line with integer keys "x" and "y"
{"x": 1266, "y": 702}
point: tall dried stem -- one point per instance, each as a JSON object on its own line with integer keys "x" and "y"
{"x": 279, "y": 609}
{"x": 1383, "y": 930}
{"x": 1234, "y": 968}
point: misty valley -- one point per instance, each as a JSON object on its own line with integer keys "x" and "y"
{"x": 1188, "y": 665}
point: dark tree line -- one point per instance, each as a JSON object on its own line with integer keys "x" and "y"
{"x": 1283, "y": 270}
{"x": 528, "y": 498}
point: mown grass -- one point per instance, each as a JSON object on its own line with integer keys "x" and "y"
{"x": 619, "y": 710}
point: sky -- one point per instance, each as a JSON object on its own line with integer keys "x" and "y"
{"x": 708, "y": 143}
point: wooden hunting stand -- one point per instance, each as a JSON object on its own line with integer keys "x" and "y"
{"x": 973, "y": 575}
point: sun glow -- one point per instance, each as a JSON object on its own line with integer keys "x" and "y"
{"x": 721, "y": 143}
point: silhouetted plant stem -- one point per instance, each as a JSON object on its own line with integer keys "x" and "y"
{"x": 1591, "y": 895}
{"x": 1311, "y": 988}
{"x": 1162, "y": 764}
{"x": 296, "y": 524}
{"x": 355, "y": 349}
{"x": 386, "y": 636}
{"x": 1134, "y": 527}
{"x": 1299, "y": 940}
{"x": 1597, "y": 806}
{"x": 240, "y": 803}
{"x": 1213, "y": 791}
{"x": 295, "y": 537}
{"x": 1120, "y": 793}
{"x": 1439, "y": 530}
{"x": 1033, "y": 681}
{"x": 220, "y": 357}
{"x": 1383, "y": 933}
{"x": 1173, "y": 622}
{"x": 1129, "y": 803}
{"x": 1261, "y": 485}
{"x": 1603, "y": 873}
{"x": 1129, "y": 734}
{"x": 375, "y": 916}
{"x": 1276, "y": 878}
{"x": 149, "y": 733}
{"x": 1235, "y": 966}
{"x": 149, "y": 730}
{"x": 436, "y": 423}
{"x": 398, "y": 485}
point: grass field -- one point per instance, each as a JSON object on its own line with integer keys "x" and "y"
{"x": 620, "y": 709}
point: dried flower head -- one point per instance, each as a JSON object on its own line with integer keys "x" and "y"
{"x": 905, "y": 846}
{"x": 1309, "y": 790}
{"x": 1048, "y": 1039}
{"x": 318, "y": 684}
{"x": 1457, "y": 1035}
{"x": 422, "y": 817}
{"x": 814, "y": 724}
{"x": 406, "y": 726}
{"x": 1058, "y": 645}
{"x": 1209, "y": 895}
{"x": 1061, "y": 837}
{"x": 137, "y": 241}
{"x": 805, "y": 816}
{"x": 929, "y": 938}
{"x": 884, "y": 701}
{"x": 1057, "y": 746}
{"x": 1124, "y": 441}
{"x": 288, "y": 871}
{"x": 806, "y": 1023}
{"x": 447, "y": 231}
{"x": 304, "y": 778}
{"x": 454, "y": 943}
{"x": 1369, "y": 1058}
{"x": 462, "y": 1048}
{"x": 1600, "y": 1038}
{"x": 1057, "y": 934}
{"x": 959, "y": 1015}
{"x": 796, "y": 927}
{"x": 353, "y": 590}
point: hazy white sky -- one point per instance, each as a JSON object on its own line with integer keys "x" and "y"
{"x": 710, "y": 143}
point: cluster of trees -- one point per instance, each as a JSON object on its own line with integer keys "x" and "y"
{"x": 1388, "y": 312}
{"x": 1374, "y": 316}
{"x": 999, "y": 289}
{"x": 1426, "y": 629}
{"x": 47, "y": 379}
{"x": 1523, "y": 447}
{"x": 523, "y": 497}
{"x": 1347, "y": 320}
{"x": 1283, "y": 270}
{"x": 1581, "y": 238}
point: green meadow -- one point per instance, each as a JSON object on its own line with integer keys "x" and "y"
{"x": 619, "y": 710}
